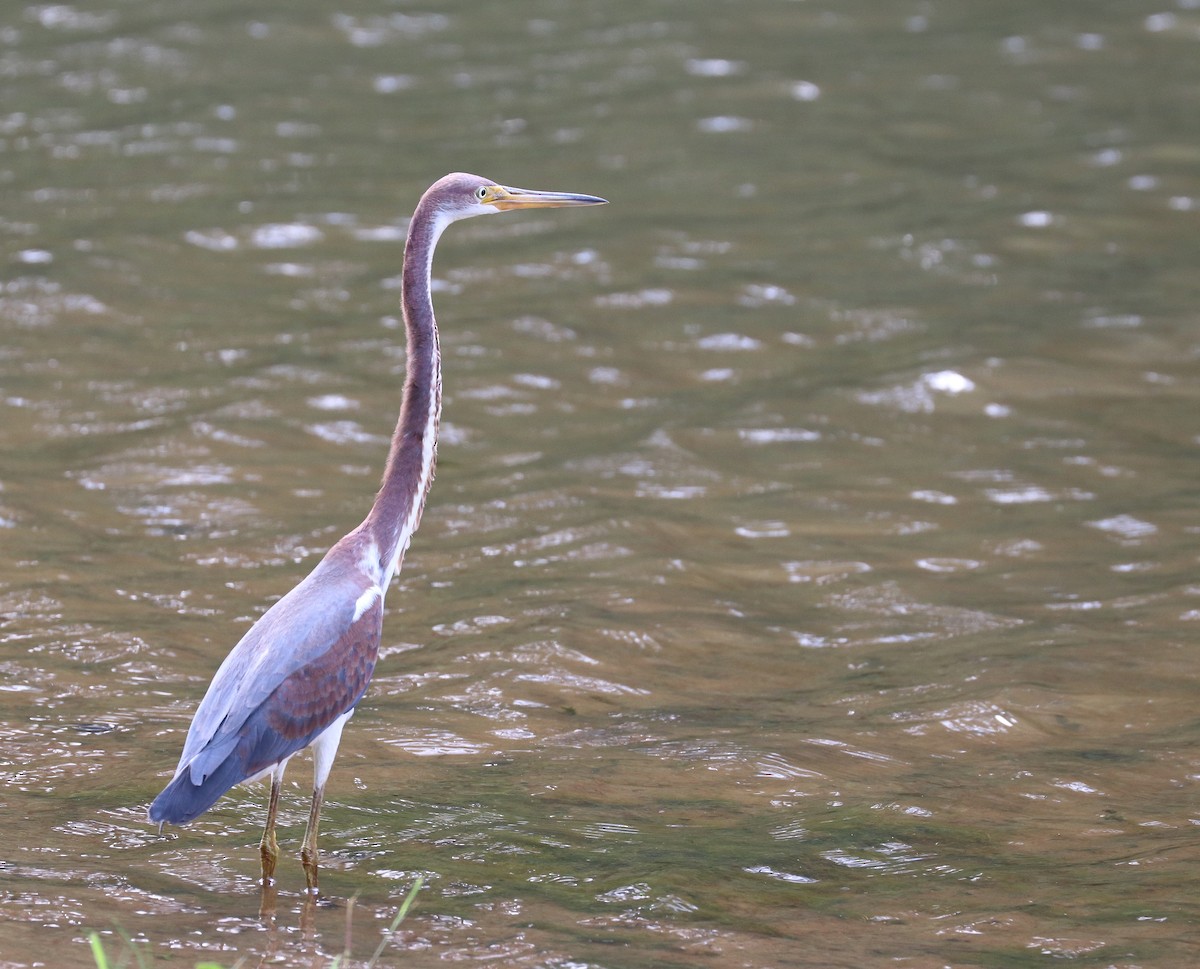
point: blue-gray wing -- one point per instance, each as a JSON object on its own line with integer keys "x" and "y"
{"x": 306, "y": 662}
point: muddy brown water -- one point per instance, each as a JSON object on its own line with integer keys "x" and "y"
{"x": 810, "y": 575}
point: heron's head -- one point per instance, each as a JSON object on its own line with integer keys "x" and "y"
{"x": 460, "y": 196}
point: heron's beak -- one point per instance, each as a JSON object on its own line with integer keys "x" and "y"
{"x": 505, "y": 198}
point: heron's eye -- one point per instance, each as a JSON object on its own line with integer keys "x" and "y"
{"x": 481, "y": 193}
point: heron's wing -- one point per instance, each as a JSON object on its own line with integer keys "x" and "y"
{"x": 315, "y": 640}
{"x": 299, "y": 709}
{"x": 251, "y": 740}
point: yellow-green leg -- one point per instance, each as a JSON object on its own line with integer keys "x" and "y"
{"x": 308, "y": 849}
{"x": 324, "y": 749}
{"x": 268, "y": 848}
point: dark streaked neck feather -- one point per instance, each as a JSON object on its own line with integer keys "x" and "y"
{"x": 409, "y": 472}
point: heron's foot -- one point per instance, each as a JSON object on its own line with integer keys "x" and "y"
{"x": 267, "y": 902}
{"x": 268, "y": 850}
{"x": 308, "y": 858}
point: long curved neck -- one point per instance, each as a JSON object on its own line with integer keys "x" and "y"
{"x": 409, "y": 472}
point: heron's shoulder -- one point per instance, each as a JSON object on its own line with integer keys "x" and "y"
{"x": 304, "y": 623}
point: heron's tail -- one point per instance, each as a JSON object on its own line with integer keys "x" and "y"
{"x": 182, "y": 801}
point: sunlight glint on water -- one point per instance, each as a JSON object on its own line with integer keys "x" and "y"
{"x": 809, "y": 575}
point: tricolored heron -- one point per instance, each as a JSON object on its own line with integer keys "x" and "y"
{"x": 294, "y": 679}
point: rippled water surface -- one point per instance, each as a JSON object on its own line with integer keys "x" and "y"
{"x": 810, "y": 576}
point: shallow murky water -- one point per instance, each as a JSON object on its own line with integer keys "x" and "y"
{"x": 810, "y": 577}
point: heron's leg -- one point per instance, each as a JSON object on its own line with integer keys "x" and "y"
{"x": 308, "y": 849}
{"x": 268, "y": 848}
{"x": 324, "y": 750}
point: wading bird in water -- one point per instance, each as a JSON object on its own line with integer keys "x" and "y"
{"x": 294, "y": 679}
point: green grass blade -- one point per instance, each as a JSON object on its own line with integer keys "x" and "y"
{"x": 400, "y": 915}
{"x": 97, "y": 945}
